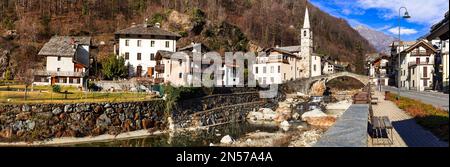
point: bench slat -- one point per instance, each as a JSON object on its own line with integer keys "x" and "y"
{"x": 387, "y": 122}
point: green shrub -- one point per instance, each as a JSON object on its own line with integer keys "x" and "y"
{"x": 184, "y": 34}
{"x": 56, "y": 88}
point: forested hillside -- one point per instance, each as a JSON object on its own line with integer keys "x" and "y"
{"x": 224, "y": 25}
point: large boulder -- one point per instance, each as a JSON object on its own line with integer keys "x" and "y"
{"x": 263, "y": 114}
{"x": 327, "y": 121}
{"x": 227, "y": 140}
{"x": 316, "y": 113}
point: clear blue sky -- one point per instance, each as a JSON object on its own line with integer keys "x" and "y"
{"x": 382, "y": 15}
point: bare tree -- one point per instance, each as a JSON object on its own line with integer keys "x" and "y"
{"x": 26, "y": 76}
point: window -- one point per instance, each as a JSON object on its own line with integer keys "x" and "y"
{"x": 58, "y": 69}
{"x": 425, "y": 83}
{"x": 304, "y": 33}
{"x": 127, "y": 56}
{"x": 180, "y": 61}
{"x": 413, "y": 71}
{"x": 180, "y": 75}
{"x": 425, "y": 72}
{"x": 167, "y": 44}
{"x": 279, "y": 69}
{"x": 417, "y": 60}
{"x": 256, "y": 70}
{"x": 59, "y": 58}
{"x": 152, "y": 43}
{"x": 285, "y": 76}
{"x": 127, "y": 42}
{"x": 314, "y": 67}
{"x": 139, "y": 56}
{"x": 272, "y": 79}
{"x": 428, "y": 59}
{"x": 413, "y": 84}
{"x": 271, "y": 69}
{"x": 152, "y": 56}
{"x": 264, "y": 70}
{"x": 139, "y": 43}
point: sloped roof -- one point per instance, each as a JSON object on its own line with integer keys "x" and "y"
{"x": 62, "y": 45}
{"x": 192, "y": 45}
{"x": 279, "y": 50}
{"x": 291, "y": 49}
{"x": 146, "y": 30}
{"x": 420, "y": 43}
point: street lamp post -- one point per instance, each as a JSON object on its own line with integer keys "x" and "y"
{"x": 405, "y": 16}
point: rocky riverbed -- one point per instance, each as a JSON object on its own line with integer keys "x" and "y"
{"x": 301, "y": 121}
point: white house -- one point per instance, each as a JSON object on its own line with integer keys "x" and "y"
{"x": 417, "y": 66}
{"x": 67, "y": 61}
{"x": 277, "y": 66}
{"x": 180, "y": 71}
{"x": 316, "y": 65}
{"x": 138, "y": 44}
{"x": 445, "y": 63}
{"x": 378, "y": 69}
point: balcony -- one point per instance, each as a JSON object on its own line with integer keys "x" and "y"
{"x": 278, "y": 59}
{"x": 159, "y": 68}
{"x": 419, "y": 53}
{"x": 158, "y": 80}
{"x": 60, "y": 73}
{"x": 414, "y": 63}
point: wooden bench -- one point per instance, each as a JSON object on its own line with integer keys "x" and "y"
{"x": 380, "y": 124}
{"x": 374, "y": 100}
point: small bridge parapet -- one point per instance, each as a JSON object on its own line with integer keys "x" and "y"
{"x": 304, "y": 85}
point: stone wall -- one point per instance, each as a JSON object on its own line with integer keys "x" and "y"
{"x": 219, "y": 109}
{"x": 44, "y": 121}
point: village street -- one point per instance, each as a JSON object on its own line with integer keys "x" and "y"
{"x": 436, "y": 99}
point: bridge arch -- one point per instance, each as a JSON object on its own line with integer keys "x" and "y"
{"x": 326, "y": 78}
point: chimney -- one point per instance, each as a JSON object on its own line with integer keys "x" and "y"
{"x": 146, "y": 23}
{"x": 73, "y": 42}
{"x": 157, "y": 25}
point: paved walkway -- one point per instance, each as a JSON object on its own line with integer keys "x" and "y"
{"x": 407, "y": 133}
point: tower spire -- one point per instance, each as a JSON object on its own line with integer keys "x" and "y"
{"x": 306, "y": 21}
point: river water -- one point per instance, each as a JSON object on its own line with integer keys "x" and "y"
{"x": 196, "y": 138}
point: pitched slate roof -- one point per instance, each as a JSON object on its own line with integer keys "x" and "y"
{"x": 291, "y": 49}
{"x": 62, "y": 46}
{"x": 140, "y": 29}
{"x": 420, "y": 43}
{"x": 191, "y": 46}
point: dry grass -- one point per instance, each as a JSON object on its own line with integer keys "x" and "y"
{"x": 43, "y": 94}
{"x": 428, "y": 116}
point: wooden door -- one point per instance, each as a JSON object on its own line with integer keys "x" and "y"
{"x": 150, "y": 72}
{"x": 139, "y": 71}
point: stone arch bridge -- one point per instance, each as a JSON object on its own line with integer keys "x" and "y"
{"x": 304, "y": 85}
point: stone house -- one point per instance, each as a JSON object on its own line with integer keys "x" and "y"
{"x": 67, "y": 61}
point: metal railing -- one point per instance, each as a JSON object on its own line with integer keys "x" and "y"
{"x": 412, "y": 63}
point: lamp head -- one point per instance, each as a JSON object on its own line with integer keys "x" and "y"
{"x": 406, "y": 15}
